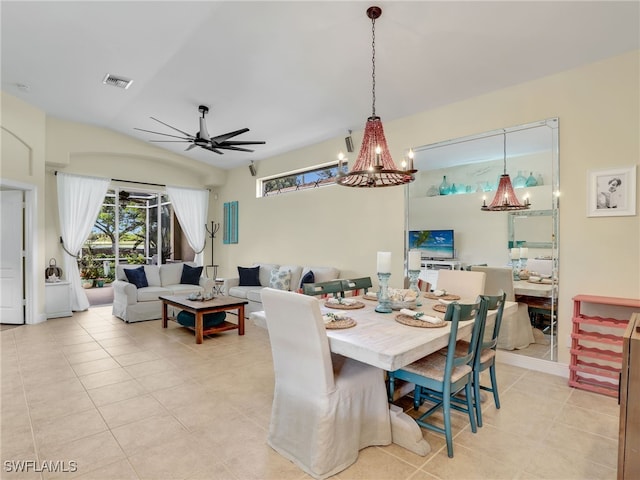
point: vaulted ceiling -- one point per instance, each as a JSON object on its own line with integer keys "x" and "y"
{"x": 294, "y": 73}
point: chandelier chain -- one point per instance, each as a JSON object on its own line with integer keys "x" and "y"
{"x": 373, "y": 68}
{"x": 505, "y": 152}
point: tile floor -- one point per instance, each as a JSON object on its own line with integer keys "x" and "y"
{"x": 139, "y": 402}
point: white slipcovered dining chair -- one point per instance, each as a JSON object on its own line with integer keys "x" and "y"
{"x": 516, "y": 331}
{"x": 326, "y": 407}
{"x": 468, "y": 285}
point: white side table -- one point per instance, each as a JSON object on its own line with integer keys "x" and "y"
{"x": 218, "y": 286}
{"x": 58, "y": 299}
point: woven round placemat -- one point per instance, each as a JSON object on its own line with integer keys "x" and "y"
{"x": 439, "y": 307}
{"x": 343, "y": 306}
{"x": 414, "y": 322}
{"x": 338, "y": 324}
{"x": 371, "y": 296}
{"x": 448, "y": 296}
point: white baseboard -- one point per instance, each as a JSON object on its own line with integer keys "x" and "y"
{"x": 530, "y": 363}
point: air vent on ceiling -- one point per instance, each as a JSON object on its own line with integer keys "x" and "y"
{"x": 119, "y": 82}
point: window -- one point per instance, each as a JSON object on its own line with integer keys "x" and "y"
{"x": 129, "y": 228}
{"x": 315, "y": 177}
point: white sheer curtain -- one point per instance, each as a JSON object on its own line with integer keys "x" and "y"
{"x": 79, "y": 202}
{"x": 191, "y": 207}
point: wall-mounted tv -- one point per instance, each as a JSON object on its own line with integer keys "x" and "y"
{"x": 433, "y": 244}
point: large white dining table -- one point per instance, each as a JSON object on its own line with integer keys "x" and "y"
{"x": 533, "y": 289}
{"x": 379, "y": 340}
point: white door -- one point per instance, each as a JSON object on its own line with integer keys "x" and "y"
{"x": 11, "y": 274}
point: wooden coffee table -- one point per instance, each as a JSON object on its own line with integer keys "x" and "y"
{"x": 199, "y": 308}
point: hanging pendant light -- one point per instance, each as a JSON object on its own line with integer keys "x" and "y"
{"x": 505, "y": 199}
{"x": 374, "y": 166}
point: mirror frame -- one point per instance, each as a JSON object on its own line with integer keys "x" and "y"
{"x": 532, "y": 213}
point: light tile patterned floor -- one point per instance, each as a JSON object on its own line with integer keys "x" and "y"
{"x": 139, "y": 402}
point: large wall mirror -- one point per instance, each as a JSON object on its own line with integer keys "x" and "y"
{"x": 457, "y": 176}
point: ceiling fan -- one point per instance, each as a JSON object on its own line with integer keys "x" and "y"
{"x": 202, "y": 138}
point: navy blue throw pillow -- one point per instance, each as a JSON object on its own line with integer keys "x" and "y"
{"x": 309, "y": 277}
{"x": 190, "y": 275}
{"x": 137, "y": 276}
{"x": 209, "y": 320}
{"x": 249, "y": 276}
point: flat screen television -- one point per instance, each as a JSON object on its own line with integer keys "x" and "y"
{"x": 433, "y": 244}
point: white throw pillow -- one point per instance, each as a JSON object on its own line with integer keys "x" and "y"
{"x": 280, "y": 279}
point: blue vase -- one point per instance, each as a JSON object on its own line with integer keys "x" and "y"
{"x": 445, "y": 188}
{"x": 531, "y": 181}
{"x": 520, "y": 181}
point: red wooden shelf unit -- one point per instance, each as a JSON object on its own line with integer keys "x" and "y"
{"x": 596, "y": 356}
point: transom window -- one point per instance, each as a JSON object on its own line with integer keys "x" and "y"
{"x": 314, "y": 177}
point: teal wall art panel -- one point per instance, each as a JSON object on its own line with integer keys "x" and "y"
{"x": 230, "y": 234}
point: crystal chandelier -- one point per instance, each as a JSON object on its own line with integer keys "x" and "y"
{"x": 505, "y": 199}
{"x": 374, "y": 166}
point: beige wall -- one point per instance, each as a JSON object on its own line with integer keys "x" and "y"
{"x": 22, "y": 157}
{"x": 599, "y": 117}
{"x": 35, "y": 146}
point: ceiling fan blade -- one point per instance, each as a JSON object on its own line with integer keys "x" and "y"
{"x": 224, "y": 146}
{"x": 171, "y": 141}
{"x": 203, "y": 130}
{"x": 189, "y": 137}
{"x": 212, "y": 149}
{"x": 226, "y": 136}
{"x": 242, "y": 142}
{"x": 174, "y": 128}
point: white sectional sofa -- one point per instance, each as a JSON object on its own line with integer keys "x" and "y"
{"x": 251, "y": 293}
{"x": 133, "y": 304}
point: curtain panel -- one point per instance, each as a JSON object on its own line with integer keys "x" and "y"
{"x": 191, "y": 207}
{"x": 79, "y": 202}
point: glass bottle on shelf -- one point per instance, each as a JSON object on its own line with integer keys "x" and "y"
{"x": 445, "y": 188}
{"x": 520, "y": 181}
{"x": 539, "y": 179}
{"x": 433, "y": 191}
{"x": 531, "y": 181}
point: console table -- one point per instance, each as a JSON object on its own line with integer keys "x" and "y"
{"x": 429, "y": 270}
{"x": 440, "y": 264}
{"x": 58, "y": 299}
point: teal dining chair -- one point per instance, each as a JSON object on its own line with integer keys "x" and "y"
{"x": 355, "y": 284}
{"x": 334, "y": 287}
{"x": 486, "y": 354}
{"x": 439, "y": 378}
